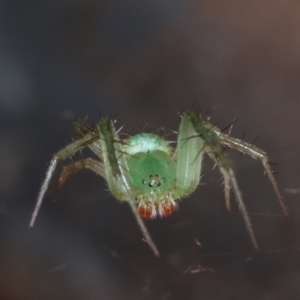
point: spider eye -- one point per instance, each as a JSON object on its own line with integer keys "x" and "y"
{"x": 154, "y": 181}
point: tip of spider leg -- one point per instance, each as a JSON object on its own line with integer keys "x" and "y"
{"x": 59, "y": 187}
{"x": 254, "y": 243}
{"x": 31, "y": 224}
{"x": 286, "y": 215}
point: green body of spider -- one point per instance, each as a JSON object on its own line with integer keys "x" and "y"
{"x": 153, "y": 173}
{"x": 145, "y": 171}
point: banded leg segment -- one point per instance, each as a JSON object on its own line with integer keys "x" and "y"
{"x": 60, "y": 155}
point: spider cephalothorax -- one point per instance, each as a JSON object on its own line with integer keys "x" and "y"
{"x": 153, "y": 174}
{"x": 145, "y": 171}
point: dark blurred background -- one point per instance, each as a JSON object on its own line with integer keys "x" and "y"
{"x": 146, "y": 61}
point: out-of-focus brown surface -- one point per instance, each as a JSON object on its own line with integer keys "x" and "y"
{"x": 147, "y": 60}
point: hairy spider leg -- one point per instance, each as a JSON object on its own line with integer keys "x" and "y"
{"x": 60, "y": 155}
{"x": 214, "y": 149}
{"x": 88, "y": 163}
{"x": 224, "y": 165}
{"x": 227, "y": 188}
{"x": 117, "y": 174}
{"x": 230, "y": 179}
{"x": 188, "y": 155}
{"x": 242, "y": 207}
{"x": 258, "y": 154}
{"x": 84, "y": 129}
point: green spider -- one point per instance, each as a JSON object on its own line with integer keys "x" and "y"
{"x": 145, "y": 171}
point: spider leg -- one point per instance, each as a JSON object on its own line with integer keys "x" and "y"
{"x": 60, "y": 155}
{"x": 188, "y": 155}
{"x": 98, "y": 168}
{"x": 258, "y": 154}
{"x": 88, "y": 163}
{"x": 227, "y": 188}
{"x": 144, "y": 229}
{"x": 213, "y": 147}
{"x": 242, "y": 207}
{"x": 83, "y": 129}
{"x": 230, "y": 180}
{"x": 117, "y": 174}
{"x": 43, "y": 190}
